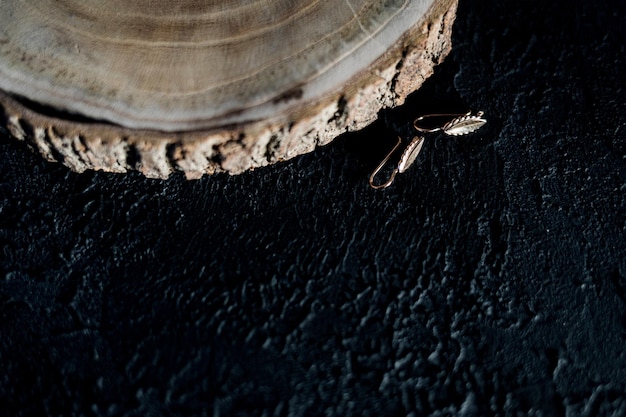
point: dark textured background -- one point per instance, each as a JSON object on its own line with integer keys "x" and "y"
{"x": 490, "y": 279}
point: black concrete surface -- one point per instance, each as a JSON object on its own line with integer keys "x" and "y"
{"x": 488, "y": 280}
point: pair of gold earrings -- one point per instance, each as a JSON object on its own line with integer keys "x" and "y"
{"x": 460, "y": 124}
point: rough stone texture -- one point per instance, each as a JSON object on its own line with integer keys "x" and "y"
{"x": 235, "y": 149}
{"x": 488, "y": 280}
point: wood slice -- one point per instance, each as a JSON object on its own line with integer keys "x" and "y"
{"x": 207, "y": 86}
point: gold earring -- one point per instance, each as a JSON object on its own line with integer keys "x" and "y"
{"x": 406, "y": 159}
{"x": 461, "y": 124}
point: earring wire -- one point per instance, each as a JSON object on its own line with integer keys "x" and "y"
{"x": 381, "y": 165}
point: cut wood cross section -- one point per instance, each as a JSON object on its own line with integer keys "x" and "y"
{"x": 207, "y": 86}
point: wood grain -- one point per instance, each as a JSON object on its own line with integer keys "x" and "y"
{"x": 207, "y": 86}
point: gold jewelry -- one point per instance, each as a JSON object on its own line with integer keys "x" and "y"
{"x": 461, "y": 124}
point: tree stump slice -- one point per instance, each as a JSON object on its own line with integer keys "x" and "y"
{"x": 207, "y": 86}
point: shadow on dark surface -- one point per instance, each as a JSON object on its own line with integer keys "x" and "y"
{"x": 487, "y": 280}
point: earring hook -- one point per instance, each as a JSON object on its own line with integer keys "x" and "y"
{"x": 381, "y": 165}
